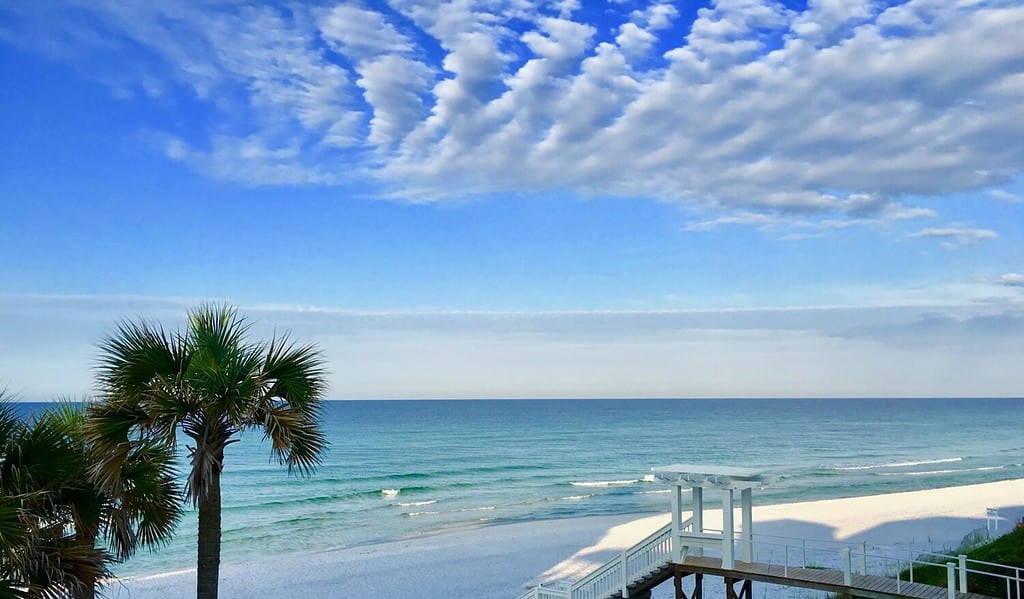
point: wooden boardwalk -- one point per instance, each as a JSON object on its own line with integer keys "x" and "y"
{"x": 866, "y": 587}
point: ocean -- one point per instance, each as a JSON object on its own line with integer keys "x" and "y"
{"x": 403, "y": 468}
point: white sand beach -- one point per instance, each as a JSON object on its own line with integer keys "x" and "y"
{"x": 497, "y": 561}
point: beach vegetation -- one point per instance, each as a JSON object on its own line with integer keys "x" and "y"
{"x": 1007, "y": 550}
{"x": 59, "y": 531}
{"x": 209, "y": 383}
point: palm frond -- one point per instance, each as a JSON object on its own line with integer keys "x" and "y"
{"x": 295, "y": 374}
{"x": 9, "y": 422}
{"x": 295, "y": 439}
{"x": 10, "y": 524}
{"x": 307, "y": 449}
{"x": 216, "y": 331}
{"x": 136, "y": 354}
{"x": 108, "y": 431}
{"x": 148, "y": 510}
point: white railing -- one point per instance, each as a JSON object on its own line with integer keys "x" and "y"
{"x": 884, "y": 561}
{"x": 616, "y": 575}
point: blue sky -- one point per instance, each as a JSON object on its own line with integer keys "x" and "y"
{"x": 521, "y": 199}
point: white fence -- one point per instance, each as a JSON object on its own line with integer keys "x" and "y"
{"x": 615, "y": 576}
{"x": 897, "y": 563}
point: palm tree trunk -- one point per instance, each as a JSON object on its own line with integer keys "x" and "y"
{"x": 86, "y": 539}
{"x": 208, "y": 565}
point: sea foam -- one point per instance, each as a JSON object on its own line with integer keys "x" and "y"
{"x": 899, "y": 464}
{"x": 605, "y": 483}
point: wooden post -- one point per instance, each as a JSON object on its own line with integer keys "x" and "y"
{"x": 745, "y": 591}
{"x": 728, "y": 530}
{"x": 698, "y": 585}
{"x": 847, "y": 575}
{"x": 625, "y": 574}
{"x": 963, "y": 572}
{"x": 951, "y": 580}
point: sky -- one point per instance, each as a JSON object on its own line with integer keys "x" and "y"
{"x": 507, "y": 198}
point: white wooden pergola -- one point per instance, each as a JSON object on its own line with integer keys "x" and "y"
{"x": 727, "y": 479}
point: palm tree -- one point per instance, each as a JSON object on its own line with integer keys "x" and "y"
{"x": 142, "y": 511}
{"x": 59, "y": 532}
{"x": 39, "y": 552}
{"x": 211, "y": 384}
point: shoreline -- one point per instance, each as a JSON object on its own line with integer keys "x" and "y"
{"x": 497, "y": 560}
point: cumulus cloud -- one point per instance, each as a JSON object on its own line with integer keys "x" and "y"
{"x": 842, "y": 109}
{"x": 359, "y": 32}
{"x": 656, "y": 16}
{"x": 634, "y": 41}
{"x": 827, "y": 21}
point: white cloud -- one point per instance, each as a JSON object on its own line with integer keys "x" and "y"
{"x": 360, "y": 33}
{"x": 634, "y": 41}
{"x": 567, "y": 7}
{"x": 1005, "y": 196}
{"x": 755, "y": 108}
{"x": 559, "y": 40}
{"x": 256, "y": 160}
{"x": 1012, "y": 279}
{"x": 827, "y": 22}
{"x": 394, "y": 86}
{"x": 656, "y": 16}
{"x": 956, "y": 237}
{"x": 278, "y": 102}
{"x": 747, "y": 218}
{"x": 860, "y": 210}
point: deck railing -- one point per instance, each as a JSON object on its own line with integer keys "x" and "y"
{"x": 617, "y": 574}
{"x": 881, "y": 560}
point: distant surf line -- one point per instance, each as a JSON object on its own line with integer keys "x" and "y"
{"x": 899, "y": 464}
{"x": 606, "y": 483}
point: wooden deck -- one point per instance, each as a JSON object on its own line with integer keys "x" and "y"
{"x": 866, "y": 587}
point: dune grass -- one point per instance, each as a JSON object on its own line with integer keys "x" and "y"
{"x": 1007, "y": 549}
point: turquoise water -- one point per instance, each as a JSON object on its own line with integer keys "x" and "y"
{"x": 399, "y": 468}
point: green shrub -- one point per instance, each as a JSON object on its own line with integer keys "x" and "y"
{"x": 1007, "y": 549}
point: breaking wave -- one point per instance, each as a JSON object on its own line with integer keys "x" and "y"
{"x": 605, "y": 483}
{"x": 899, "y": 464}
